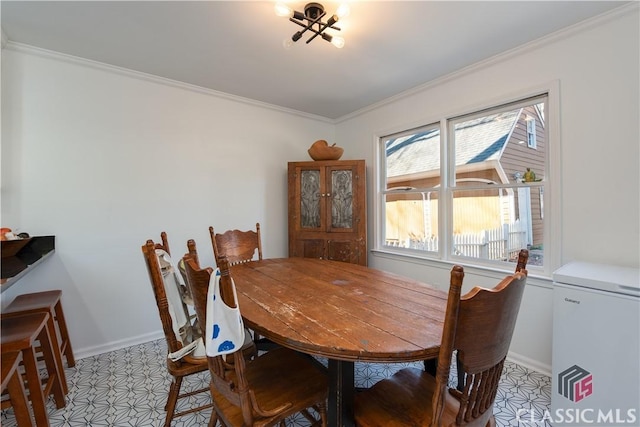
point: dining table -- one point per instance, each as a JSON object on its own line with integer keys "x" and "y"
{"x": 342, "y": 312}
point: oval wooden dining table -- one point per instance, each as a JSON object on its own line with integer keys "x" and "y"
{"x": 344, "y": 312}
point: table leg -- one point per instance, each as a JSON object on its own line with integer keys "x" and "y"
{"x": 431, "y": 366}
{"x": 341, "y": 393}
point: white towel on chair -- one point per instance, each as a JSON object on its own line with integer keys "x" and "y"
{"x": 172, "y": 283}
{"x": 224, "y": 329}
{"x": 180, "y": 320}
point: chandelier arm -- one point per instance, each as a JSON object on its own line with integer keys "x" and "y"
{"x": 309, "y": 26}
{"x": 317, "y": 33}
{"x": 323, "y": 26}
{"x": 302, "y": 24}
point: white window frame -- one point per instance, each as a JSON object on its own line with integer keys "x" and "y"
{"x": 551, "y": 209}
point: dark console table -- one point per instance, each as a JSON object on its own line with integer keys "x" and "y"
{"x": 19, "y": 257}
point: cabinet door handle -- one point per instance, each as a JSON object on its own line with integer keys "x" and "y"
{"x": 328, "y": 194}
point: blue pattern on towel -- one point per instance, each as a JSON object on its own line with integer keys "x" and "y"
{"x": 226, "y": 345}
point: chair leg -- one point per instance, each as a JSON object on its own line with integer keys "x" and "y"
{"x": 18, "y": 397}
{"x": 323, "y": 414}
{"x": 13, "y": 383}
{"x": 57, "y": 355}
{"x": 431, "y": 366}
{"x": 35, "y": 390}
{"x": 56, "y": 378}
{"x": 65, "y": 344}
{"x": 213, "y": 420}
{"x": 172, "y": 399}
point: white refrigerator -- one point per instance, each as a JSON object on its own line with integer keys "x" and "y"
{"x": 596, "y": 346}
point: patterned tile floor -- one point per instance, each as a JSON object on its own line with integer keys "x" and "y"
{"x": 128, "y": 387}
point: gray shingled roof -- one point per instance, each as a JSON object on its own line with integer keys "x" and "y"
{"x": 477, "y": 141}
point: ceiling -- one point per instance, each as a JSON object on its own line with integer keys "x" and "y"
{"x": 236, "y": 47}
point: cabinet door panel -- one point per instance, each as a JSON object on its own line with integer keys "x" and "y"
{"x": 310, "y": 199}
{"x": 341, "y": 199}
{"x": 342, "y": 250}
{"x": 309, "y": 248}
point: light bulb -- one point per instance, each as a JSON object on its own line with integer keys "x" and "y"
{"x": 287, "y": 43}
{"x": 337, "y": 42}
{"x": 282, "y": 9}
{"x": 343, "y": 10}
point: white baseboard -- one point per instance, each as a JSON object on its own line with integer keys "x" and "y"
{"x": 141, "y": 339}
{"x": 116, "y": 345}
{"x": 529, "y": 363}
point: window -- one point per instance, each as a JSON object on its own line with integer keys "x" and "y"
{"x": 531, "y": 132}
{"x": 462, "y": 193}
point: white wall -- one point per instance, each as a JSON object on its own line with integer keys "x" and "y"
{"x": 596, "y": 69}
{"x": 104, "y": 160}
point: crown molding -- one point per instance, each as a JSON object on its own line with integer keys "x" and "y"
{"x": 501, "y": 57}
{"x": 76, "y": 60}
{"x": 496, "y": 59}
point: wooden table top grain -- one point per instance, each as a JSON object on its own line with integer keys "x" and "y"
{"x": 345, "y": 312}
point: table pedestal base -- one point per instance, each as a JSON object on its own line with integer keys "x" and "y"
{"x": 341, "y": 393}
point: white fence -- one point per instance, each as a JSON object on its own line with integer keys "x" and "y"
{"x": 502, "y": 243}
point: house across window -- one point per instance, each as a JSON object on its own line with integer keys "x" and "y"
{"x": 531, "y": 132}
{"x": 465, "y": 194}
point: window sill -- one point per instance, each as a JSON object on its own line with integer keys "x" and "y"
{"x": 535, "y": 277}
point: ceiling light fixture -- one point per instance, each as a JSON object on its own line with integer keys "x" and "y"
{"x": 311, "y": 20}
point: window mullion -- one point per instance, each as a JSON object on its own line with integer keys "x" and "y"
{"x": 446, "y": 206}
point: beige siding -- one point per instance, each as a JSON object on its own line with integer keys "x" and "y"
{"x": 517, "y": 157}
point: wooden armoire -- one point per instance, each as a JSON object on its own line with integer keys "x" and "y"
{"x": 328, "y": 210}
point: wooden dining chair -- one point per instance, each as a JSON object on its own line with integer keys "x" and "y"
{"x": 237, "y": 246}
{"x": 521, "y": 266}
{"x": 177, "y": 325}
{"x": 431, "y": 364}
{"x": 263, "y": 391}
{"x": 479, "y": 326}
{"x": 523, "y": 258}
{"x": 249, "y": 347}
